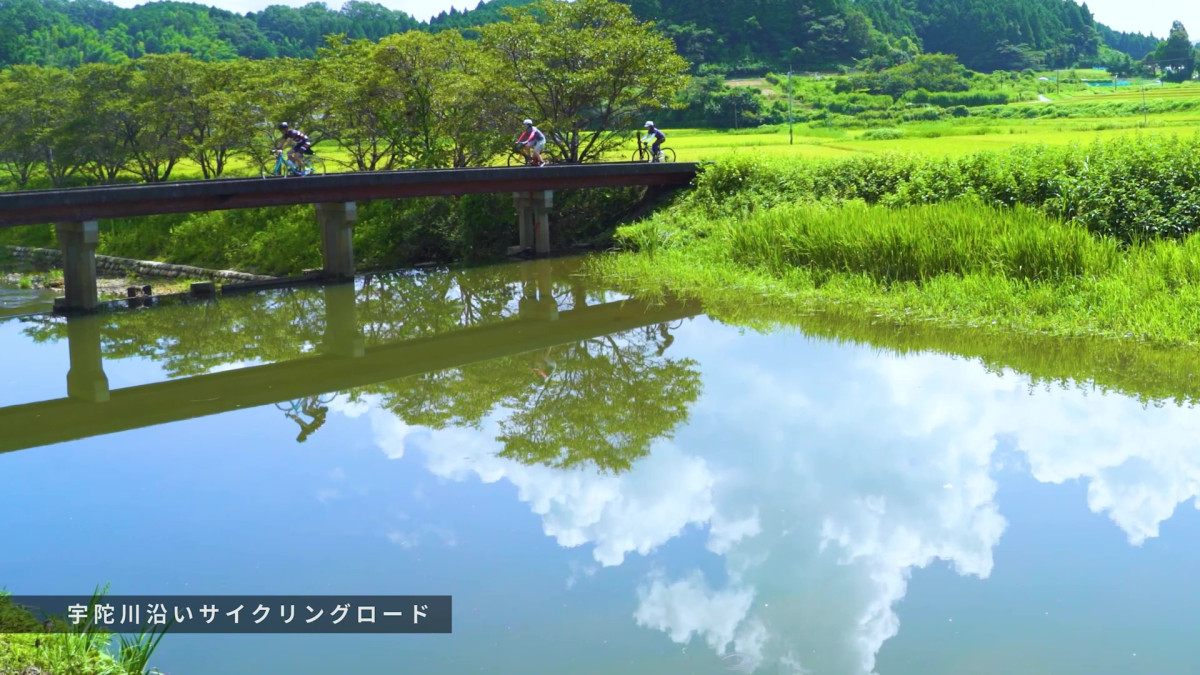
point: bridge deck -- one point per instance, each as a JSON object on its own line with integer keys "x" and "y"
{"x": 30, "y": 207}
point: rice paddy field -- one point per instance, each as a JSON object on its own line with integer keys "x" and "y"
{"x": 1082, "y": 121}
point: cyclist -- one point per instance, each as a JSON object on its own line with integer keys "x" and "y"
{"x": 532, "y": 140}
{"x": 659, "y": 138}
{"x": 302, "y": 146}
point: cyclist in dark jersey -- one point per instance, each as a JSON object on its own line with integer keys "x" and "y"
{"x": 659, "y": 138}
{"x": 302, "y": 146}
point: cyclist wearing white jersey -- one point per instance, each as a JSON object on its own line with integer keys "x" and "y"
{"x": 533, "y": 140}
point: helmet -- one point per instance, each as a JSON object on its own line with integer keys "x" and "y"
{"x": 649, "y": 124}
{"x": 528, "y": 121}
{"x": 283, "y": 125}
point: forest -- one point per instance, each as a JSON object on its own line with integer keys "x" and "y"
{"x": 732, "y": 37}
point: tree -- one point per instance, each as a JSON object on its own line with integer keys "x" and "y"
{"x": 362, "y": 104}
{"x": 159, "y": 124}
{"x": 585, "y": 69}
{"x": 99, "y": 120}
{"x": 33, "y": 102}
{"x": 1176, "y": 55}
{"x": 219, "y": 114}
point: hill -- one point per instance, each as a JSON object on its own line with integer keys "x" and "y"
{"x": 986, "y": 35}
{"x": 733, "y": 36}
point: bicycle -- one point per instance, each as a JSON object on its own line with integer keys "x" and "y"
{"x": 665, "y": 154}
{"x": 518, "y": 158}
{"x": 313, "y": 165}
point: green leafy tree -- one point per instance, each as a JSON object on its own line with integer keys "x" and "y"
{"x": 1177, "y": 56}
{"x": 452, "y": 98}
{"x": 585, "y": 70}
{"x": 100, "y": 120}
{"x": 160, "y": 122}
{"x": 220, "y": 114}
{"x": 34, "y": 102}
{"x": 474, "y": 101}
{"x": 285, "y": 90}
{"x": 363, "y": 104}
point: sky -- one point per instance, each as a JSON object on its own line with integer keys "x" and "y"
{"x": 1146, "y": 16}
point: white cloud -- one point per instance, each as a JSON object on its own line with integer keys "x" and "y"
{"x": 688, "y": 607}
{"x": 825, "y": 483}
{"x": 631, "y": 513}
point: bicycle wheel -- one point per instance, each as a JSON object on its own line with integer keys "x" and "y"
{"x": 668, "y": 155}
{"x": 316, "y": 166}
{"x": 637, "y": 157}
{"x": 515, "y": 159}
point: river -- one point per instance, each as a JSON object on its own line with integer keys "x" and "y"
{"x": 687, "y": 496}
{"x": 15, "y": 300}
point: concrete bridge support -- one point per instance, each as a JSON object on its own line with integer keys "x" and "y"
{"x": 78, "y": 243}
{"x": 342, "y": 337}
{"x": 86, "y": 380}
{"x": 537, "y": 292}
{"x": 533, "y": 219}
{"x": 337, "y": 237}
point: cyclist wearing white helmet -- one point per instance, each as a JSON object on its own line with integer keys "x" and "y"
{"x": 659, "y": 138}
{"x": 532, "y": 140}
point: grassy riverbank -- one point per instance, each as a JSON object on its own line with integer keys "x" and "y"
{"x": 1093, "y": 240}
{"x": 27, "y": 648}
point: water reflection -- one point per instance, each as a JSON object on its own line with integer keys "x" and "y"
{"x": 315, "y": 408}
{"x": 757, "y": 502}
{"x": 14, "y": 301}
{"x": 823, "y": 482}
{"x": 438, "y": 349}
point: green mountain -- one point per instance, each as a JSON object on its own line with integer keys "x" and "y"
{"x": 813, "y": 34}
{"x": 71, "y": 32}
{"x": 745, "y": 35}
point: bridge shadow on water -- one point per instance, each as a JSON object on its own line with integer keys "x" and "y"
{"x": 585, "y": 373}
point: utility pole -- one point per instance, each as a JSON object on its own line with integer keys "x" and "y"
{"x": 790, "y": 138}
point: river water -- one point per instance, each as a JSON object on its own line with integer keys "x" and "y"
{"x": 15, "y": 300}
{"x": 608, "y": 485}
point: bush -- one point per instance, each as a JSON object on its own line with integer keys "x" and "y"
{"x": 883, "y": 135}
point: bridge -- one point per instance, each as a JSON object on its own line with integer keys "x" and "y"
{"x": 343, "y": 362}
{"x": 75, "y": 212}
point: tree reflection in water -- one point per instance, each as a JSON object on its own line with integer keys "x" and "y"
{"x": 600, "y": 401}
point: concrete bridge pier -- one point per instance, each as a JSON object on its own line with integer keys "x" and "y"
{"x": 341, "y": 322}
{"x": 533, "y": 219}
{"x": 86, "y": 380}
{"x": 537, "y": 292}
{"x": 78, "y": 243}
{"x": 337, "y": 237}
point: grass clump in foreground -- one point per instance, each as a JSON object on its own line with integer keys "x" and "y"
{"x": 82, "y": 649}
{"x": 963, "y": 261}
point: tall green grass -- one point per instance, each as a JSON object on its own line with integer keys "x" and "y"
{"x": 989, "y": 240}
{"x": 1127, "y": 188}
{"x": 916, "y": 244}
{"x": 76, "y": 649}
